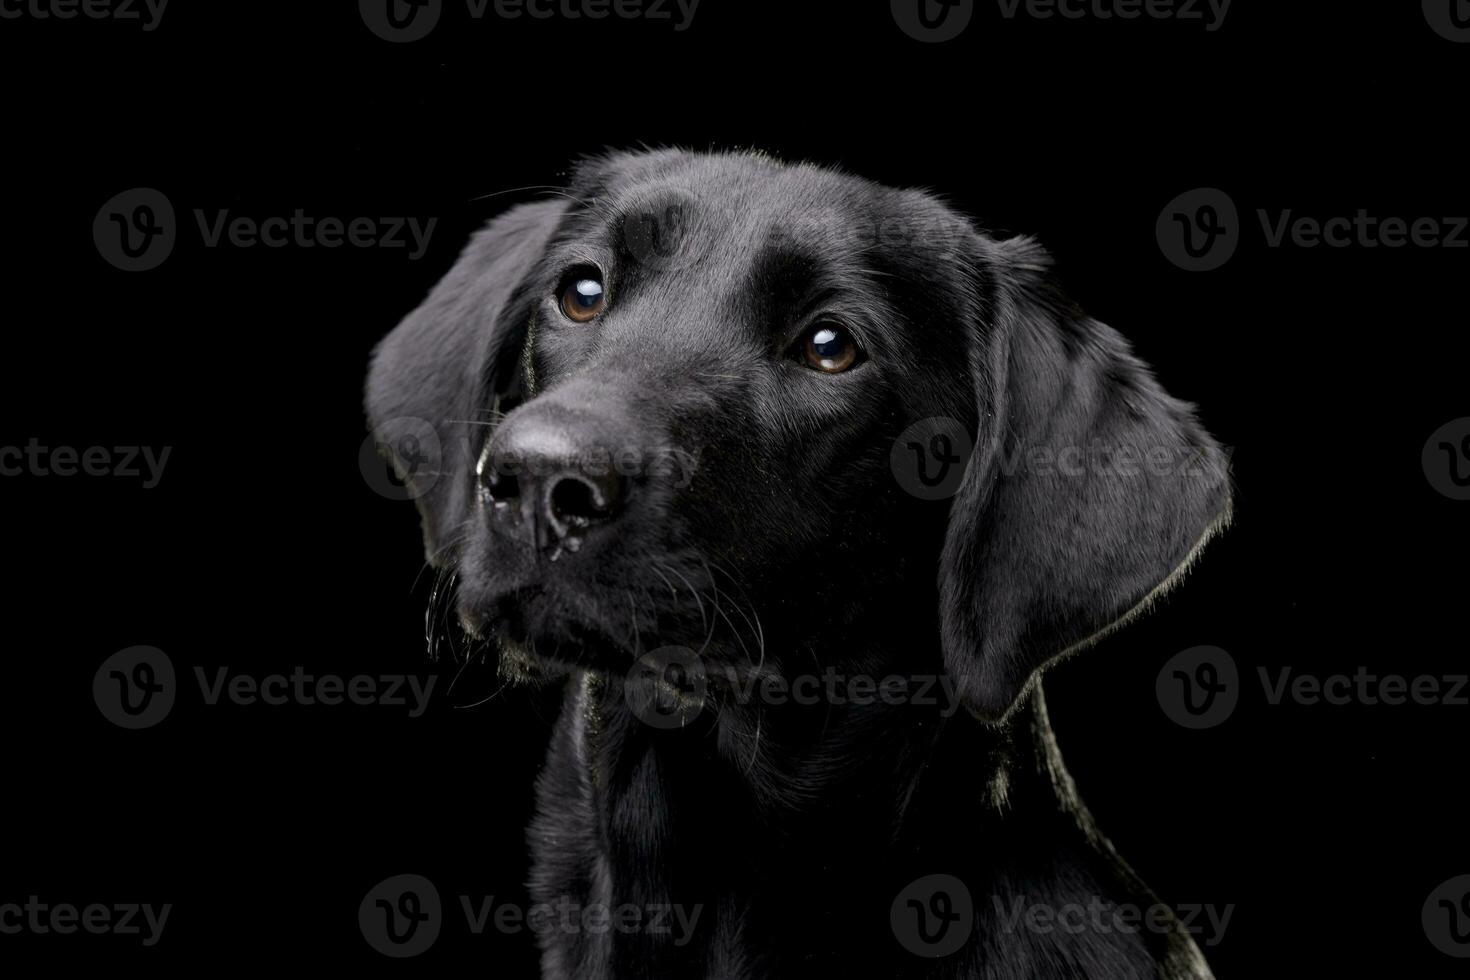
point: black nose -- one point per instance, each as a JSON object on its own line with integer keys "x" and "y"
{"x": 544, "y": 482}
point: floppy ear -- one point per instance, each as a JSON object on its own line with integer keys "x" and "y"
{"x": 442, "y": 368}
{"x": 1089, "y": 492}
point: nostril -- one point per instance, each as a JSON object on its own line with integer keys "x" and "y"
{"x": 576, "y": 501}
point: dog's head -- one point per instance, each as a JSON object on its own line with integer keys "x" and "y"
{"x": 709, "y": 400}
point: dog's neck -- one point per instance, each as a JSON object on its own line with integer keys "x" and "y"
{"x": 849, "y": 801}
{"x": 791, "y": 758}
{"x": 775, "y": 838}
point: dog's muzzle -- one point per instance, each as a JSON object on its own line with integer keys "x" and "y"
{"x": 566, "y": 468}
{"x": 545, "y": 482}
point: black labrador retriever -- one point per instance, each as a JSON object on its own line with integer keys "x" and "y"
{"x": 776, "y": 468}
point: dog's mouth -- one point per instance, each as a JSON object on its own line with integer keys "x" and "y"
{"x": 528, "y": 631}
{"x": 541, "y": 629}
{"x": 556, "y": 624}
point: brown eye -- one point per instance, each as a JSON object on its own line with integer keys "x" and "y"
{"x": 583, "y": 299}
{"x": 829, "y": 348}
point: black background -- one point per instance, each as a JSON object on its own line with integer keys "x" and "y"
{"x": 263, "y": 548}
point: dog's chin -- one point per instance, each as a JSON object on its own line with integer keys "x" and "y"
{"x": 537, "y": 640}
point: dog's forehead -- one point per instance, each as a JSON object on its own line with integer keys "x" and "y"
{"x": 752, "y": 204}
{"x": 733, "y": 249}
